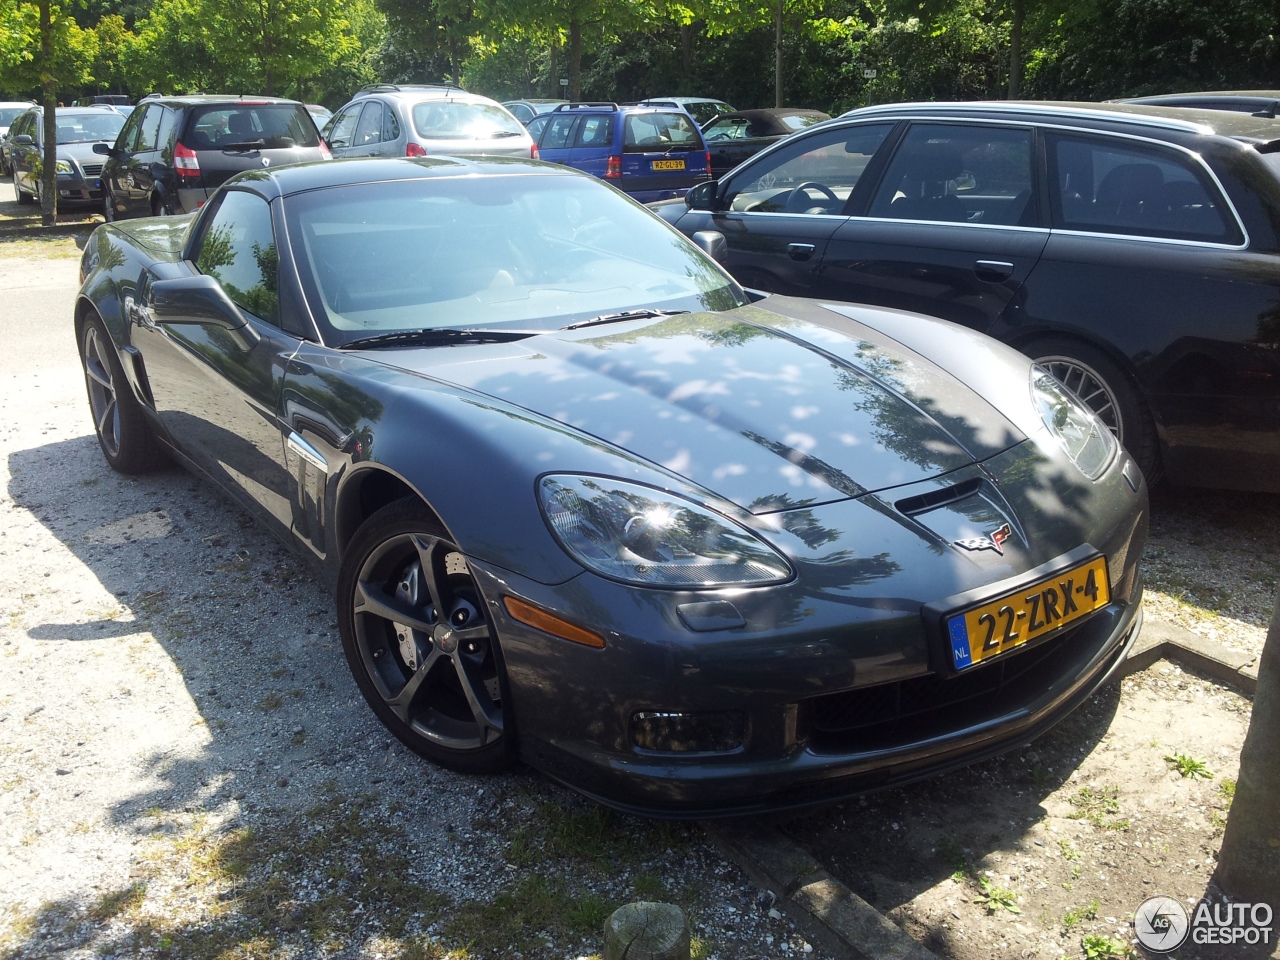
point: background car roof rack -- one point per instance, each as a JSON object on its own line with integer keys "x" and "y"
{"x": 369, "y": 88}
{"x": 589, "y": 104}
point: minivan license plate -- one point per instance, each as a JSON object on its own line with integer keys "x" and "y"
{"x": 1024, "y": 615}
{"x": 668, "y": 165}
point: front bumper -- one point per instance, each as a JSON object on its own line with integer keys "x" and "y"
{"x": 822, "y": 670}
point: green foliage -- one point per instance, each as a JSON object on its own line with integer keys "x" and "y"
{"x": 74, "y": 49}
{"x": 1073, "y": 918}
{"x": 1098, "y": 947}
{"x": 996, "y": 898}
{"x": 1189, "y": 767}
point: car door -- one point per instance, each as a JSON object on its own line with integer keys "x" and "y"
{"x": 555, "y": 144}
{"x": 216, "y": 390}
{"x": 140, "y": 175}
{"x": 778, "y": 212}
{"x": 367, "y": 139}
{"x": 342, "y": 130}
{"x": 115, "y": 171}
{"x": 952, "y": 229}
{"x": 21, "y": 155}
{"x": 1148, "y": 261}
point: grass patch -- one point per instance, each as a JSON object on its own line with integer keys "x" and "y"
{"x": 523, "y": 917}
{"x": 41, "y": 248}
{"x": 113, "y": 904}
{"x": 1097, "y": 807}
{"x": 1227, "y": 787}
{"x": 1097, "y": 947}
{"x": 1073, "y": 918}
{"x": 272, "y": 701}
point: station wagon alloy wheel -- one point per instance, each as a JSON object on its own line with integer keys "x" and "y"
{"x": 419, "y": 643}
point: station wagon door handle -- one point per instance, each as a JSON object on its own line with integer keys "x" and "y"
{"x": 996, "y": 271}
{"x": 800, "y": 251}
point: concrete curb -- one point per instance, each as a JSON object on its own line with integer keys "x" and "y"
{"x": 836, "y": 918}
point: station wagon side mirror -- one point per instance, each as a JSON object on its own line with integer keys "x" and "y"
{"x": 24, "y": 139}
{"x": 701, "y": 197}
{"x": 712, "y": 243}
{"x": 105, "y": 149}
{"x": 199, "y": 300}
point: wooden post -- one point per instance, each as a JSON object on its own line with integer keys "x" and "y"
{"x": 647, "y": 931}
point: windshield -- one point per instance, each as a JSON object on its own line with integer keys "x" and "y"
{"x": 524, "y": 251}
{"x": 7, "y": 114}
{"x": 459, "y": 120}
{"x": 643, "y": 132}
{"x": 85, "y": 127}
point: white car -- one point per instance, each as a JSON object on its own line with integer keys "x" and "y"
{"x": 9, "y": 110}
{"x": 418, "y": 120}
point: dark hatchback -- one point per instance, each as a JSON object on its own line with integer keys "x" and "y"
{"x": 1133, "y": 250}
{"x": 651, "y": 153}
{"x": 175, "y": 151}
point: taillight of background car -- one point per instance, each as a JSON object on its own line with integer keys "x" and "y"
{"x": 186, "y": 162}
{"x": 613, "y": 169}
{"x": 414, "y": 150}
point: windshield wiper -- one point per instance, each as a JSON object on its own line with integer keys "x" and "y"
{"x": 245, "y": 145}
{"x": 624, "y": 315}
{"x": 440, "y": 337}
{"x": 503, "y": 133}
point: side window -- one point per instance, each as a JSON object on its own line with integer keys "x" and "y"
{"x": 521, "y": 112}
{"x": 238, "y": 249}
{"x": 1113, "y": 186}
{"x": 595, "y": 132}
{"x": 167, "y": 122}
{"x": 369, "y": 129}
{"x": 344, "y": 126}
{"x": 129, "y": 132}
{"x": 815, "y": 174}
{"x": 149, "y": 128}
{"x": 559, "y": 132}
{"x": 390, "y": 125}
{"x": 961, "y": 173}
{"x": 537, "y": 125}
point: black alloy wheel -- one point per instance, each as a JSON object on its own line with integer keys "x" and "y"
{"x": 419, "y": 643}
{"x": 1103, "y": 387}
{"x": 118, "y": 419}
{"x": 161, "y": 207}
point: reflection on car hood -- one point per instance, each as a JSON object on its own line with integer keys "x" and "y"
{"x": 768, "y": 411}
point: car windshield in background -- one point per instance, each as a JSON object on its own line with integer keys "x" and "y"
{"x": 82, "y": 128}
{"x": 528, "y": 252}
{"x": 277, "y": 125}
{"x": 798, "y": 121}
{"x": 8, "y": 114}
{"x": 659, "y": 131}
{"x": 462, "y": 120}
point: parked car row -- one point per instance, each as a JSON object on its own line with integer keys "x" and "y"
{"x": 80, "y": 131}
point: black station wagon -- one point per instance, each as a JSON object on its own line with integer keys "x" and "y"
{"x": 1131, "y": 250}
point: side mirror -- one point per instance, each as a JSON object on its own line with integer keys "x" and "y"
{"x": 199, "y": 300}
{"x": 24, "y": 139}
{"x": 712, "y": 243}
{"x": 103, "y": 148}
{"x": 701, "y": 197}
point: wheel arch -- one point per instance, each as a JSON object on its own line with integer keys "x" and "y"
{"x": 367, "y": 490}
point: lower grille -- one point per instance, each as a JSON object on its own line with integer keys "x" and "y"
{"x": 895, "y": 714}
{"x": 91, "y": 169}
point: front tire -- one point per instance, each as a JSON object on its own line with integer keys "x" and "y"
{"x": 420, "y": 644}
{"x": 1104, "y": 388}
{"x": 18, "y": 193}
{"x": 118, "y": 418}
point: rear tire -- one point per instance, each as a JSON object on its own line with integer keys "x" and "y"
{"x": 118, "y": 418}
{"x": 1107, "y": 390}
{"x": 108, "y": 206}
{"x": 161, "y": 207}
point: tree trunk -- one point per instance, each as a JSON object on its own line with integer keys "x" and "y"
{"x": 49, "y": 94}
{"x": 1249, "y": 863}
{"x": 686, "y": 53}
{"x": 1015, "y": 50}
{"x": 777, "y": 57}
{"x": 575, "y": 59}
{"x": 553, "y": 72}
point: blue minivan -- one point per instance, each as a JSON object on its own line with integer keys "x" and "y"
{"x": 650, "y": 153}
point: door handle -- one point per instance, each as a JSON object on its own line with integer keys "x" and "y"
{"x": 800, "y": 251}
{"x": 996, "y": 271}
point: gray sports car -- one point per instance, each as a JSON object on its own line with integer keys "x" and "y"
{"x": 588, "y": 503}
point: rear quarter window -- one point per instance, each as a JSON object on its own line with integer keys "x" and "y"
{"x": 1128, "y": 188}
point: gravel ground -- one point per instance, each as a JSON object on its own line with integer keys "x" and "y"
{"x": 187, "y": 769}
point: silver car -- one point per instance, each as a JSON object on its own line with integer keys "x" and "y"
{"x": 79, "y": 168}
{"x": 390, "y": 120}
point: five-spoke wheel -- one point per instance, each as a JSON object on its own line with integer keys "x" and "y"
{"x": 118, "y": 419}
{"x": 419, "y": 642}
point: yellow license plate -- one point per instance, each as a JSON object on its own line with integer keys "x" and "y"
{"x": 668, "y": 165}
{"x": 1024, "y": 615}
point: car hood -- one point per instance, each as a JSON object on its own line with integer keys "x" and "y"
{"x": 769, "y": 409}
{"x": 81, "y": 152}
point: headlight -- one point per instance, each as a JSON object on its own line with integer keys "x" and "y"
{"x": 63, "y": 166}
{"x": 645, "y": 536}
{"x": 1085, "y": 438}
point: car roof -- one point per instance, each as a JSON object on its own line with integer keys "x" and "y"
{"x": 88, "y": 110}
{"x": 1240, "y": 126}
{"x": 319, "y": 174}
{"x": 213, "y": 99}
{"x": 762, "y": 112}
